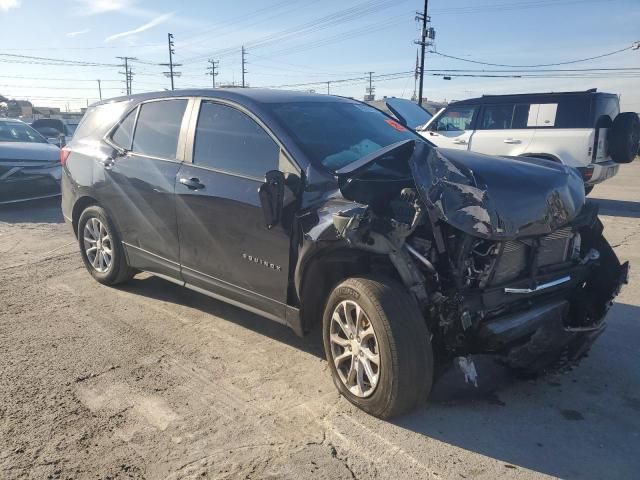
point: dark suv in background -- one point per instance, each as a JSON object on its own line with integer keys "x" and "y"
{"x": 310, "y": 208}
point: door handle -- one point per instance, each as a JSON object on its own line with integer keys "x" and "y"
{"x": 191, "y": 183}
{"x": 511, "y": 140}
{"x": 460, "y": 142}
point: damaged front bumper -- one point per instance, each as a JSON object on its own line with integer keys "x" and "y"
{"x": 564, "y": 324}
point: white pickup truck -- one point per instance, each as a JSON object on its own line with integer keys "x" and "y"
{"x": 584, "y": 130}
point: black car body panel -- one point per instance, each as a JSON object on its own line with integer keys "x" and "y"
{"x": 477, "y": 240}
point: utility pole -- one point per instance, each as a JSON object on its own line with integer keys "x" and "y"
{"x": 171, "y": 73}
{"x": 130, "y": 81}
{"x": 127, "y": 72}
{"x": 426, "y": 38}
{"x": 244, "y": 62}
{"x": 370, "y": 96}
{"x": 211, "y": 70}
{"x": 100, "y": 90}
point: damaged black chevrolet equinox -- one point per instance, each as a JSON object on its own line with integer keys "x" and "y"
{"x": 309, "y": 208}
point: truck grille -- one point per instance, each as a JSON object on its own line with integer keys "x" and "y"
{"x": 514, "y": 256}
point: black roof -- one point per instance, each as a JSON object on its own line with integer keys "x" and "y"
{"x": 240, "y": 95}
{"x": 527, "y": 97}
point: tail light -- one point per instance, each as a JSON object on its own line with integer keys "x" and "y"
{"x": 587, "y": 174}
{"x": 64, "y": 154}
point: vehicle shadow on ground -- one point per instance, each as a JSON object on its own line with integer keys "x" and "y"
{"x": 584, "y": 423}
{"x": 155, "y": 287}
{"x": 618, "y": 208}
{"x": 35, "y": 211}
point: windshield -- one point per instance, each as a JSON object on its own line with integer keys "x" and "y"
{"x": 19, "y": 132}
{"x": 410, "y": 112}
{"x": 335, "y": 134}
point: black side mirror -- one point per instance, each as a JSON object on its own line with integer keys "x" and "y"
{"x": 272, "y": 197}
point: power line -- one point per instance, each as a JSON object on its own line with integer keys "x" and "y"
{"x": 539, "y": 65}
{"x": 336, "y": 18}
{"x": 59, "y": 61}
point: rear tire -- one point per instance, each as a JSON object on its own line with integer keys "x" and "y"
{"x": 588, "y": 189}
{"x": 101, "y": 248}
{"x": 387, "y": 319}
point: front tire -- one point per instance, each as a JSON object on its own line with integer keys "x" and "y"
{"x": 101, "y": 248}
{"x": 377, "y": 345}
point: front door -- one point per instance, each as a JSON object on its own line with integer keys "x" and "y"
{"x": 139, "y": 187}
{"x": 453, "y": 128}
{"x": 225, "y": 244}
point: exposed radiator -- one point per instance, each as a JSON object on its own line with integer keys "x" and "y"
{"x": 514, "y": 255}
{"x": 554, "y": 247}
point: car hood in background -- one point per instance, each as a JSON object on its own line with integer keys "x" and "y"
{"x": 496, "y": 198}
{"x": 28, "y": 151}
{"x": 409, "y": 113}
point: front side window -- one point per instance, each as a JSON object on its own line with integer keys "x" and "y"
{"x": 229, "y": 140}
{"x": 158, "y": 128}
{"x": 335, "y": 134}
{"x": 123, "y": 135}
{"x": 456, "y": 119}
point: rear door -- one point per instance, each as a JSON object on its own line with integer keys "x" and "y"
{"x": 139, "y": 186}
{"x": 502, "y": 129}
{"x": 453, "y": 128}
{"x": 225, "y": 245}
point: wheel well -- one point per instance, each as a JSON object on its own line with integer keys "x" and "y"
{"x": 328, "y": 270}
{"x": 79, "y": 207}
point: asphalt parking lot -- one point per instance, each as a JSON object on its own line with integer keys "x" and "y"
{"x": 150, "y": 380}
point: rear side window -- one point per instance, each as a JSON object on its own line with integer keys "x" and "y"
{"x": 574, "y": 112}
{"x": 123, "y": 135}
{"x": 158, "y": 128}
{"x": 229, "y": 140}
{"x": 98, "y": 120}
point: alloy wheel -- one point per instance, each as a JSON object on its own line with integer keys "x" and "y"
{"x": 97, "y": 245}
{"x": 354, "y": 349}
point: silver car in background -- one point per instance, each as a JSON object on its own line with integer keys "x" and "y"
{"x": 29, "y": 164}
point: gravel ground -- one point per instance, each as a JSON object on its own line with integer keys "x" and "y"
{"x": 151, "y": 380}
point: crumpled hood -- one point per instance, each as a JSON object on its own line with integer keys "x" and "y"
{"x": 496, "y": 198}
{"x": 28, "y": 151}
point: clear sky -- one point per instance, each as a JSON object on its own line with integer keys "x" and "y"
{"x": 291, "y": 42}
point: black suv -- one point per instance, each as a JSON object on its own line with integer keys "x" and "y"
{"x": 310, "y": 208}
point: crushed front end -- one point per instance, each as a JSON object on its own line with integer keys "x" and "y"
{"x": 503, "y": 256}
